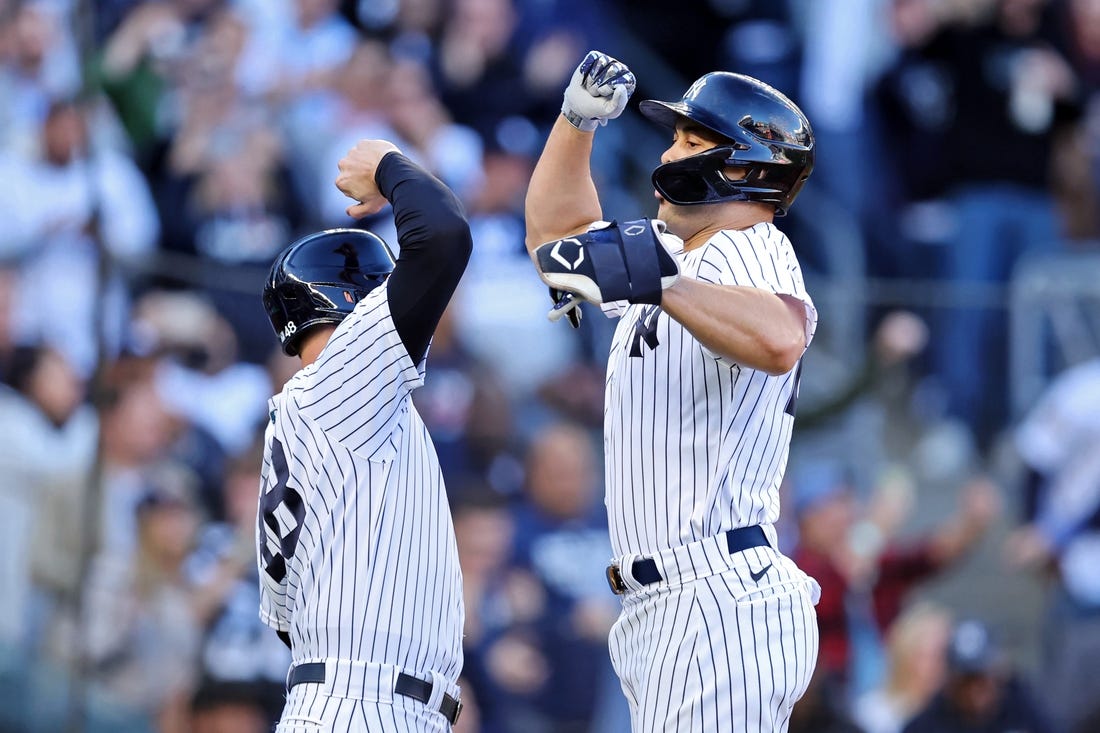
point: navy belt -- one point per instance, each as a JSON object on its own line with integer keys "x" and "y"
{"x": 407, "y": 686}
{"x": 645, "y": 569}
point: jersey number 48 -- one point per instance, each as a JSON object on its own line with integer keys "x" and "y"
{"x": 281, "y": 515}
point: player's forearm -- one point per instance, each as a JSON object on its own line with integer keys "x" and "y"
{"x": 748, "y": 326}
{"x": 435, "y": 247}
{"x": 561, "y": 198}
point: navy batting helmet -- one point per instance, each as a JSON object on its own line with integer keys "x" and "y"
{"x": 768, "y": 137}
{"x": 319, "y": 279}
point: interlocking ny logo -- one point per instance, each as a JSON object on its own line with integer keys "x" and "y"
{"x": 556, "y": 253}
{"x": 645, "y": 329}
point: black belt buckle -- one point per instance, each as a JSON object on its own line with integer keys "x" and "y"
{"x": 615, "y": 579}
{"x": 453, "y": 717}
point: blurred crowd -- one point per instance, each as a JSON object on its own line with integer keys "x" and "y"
{"x": 155, "y": 155}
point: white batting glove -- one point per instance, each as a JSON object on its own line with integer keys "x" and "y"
{"x": 565, "y": 304}
{"x": 598, "y": 91}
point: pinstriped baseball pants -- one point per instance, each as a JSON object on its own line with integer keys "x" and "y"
{"x": 711, "y": 648}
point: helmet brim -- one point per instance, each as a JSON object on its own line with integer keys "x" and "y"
{"x": 667, "y": 114}
{"x": 664, "y": 114}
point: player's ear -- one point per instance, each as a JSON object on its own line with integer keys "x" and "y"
{"x": 735, "y": 173}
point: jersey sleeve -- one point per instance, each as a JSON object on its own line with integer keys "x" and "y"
{"x": 615, "y": 308}
{"x": 751, "y": 259}
{"x": 269, "y": 611}
{"x": 359, "y": 386}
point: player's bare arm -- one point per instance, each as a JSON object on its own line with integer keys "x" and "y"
{"x": 748, "y": 326}
{"x": 562, "y": 198}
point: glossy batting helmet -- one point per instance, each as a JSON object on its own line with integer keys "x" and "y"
{"x": 767, "y": 136}
{"x": 319, "y": 279}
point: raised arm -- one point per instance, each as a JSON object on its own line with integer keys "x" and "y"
{"x": 562, "y": 198}
{"x": 431, "y": 229}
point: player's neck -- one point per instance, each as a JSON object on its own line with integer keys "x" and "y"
{"x": 313, "y": 343}
{"x": 729, "y": 216}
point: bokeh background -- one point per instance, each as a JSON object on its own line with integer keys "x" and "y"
{"x": 944, "y": 483}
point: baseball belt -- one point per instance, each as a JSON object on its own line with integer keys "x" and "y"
{"x": 407, "y": 686}
{"x": 644, "y": 570}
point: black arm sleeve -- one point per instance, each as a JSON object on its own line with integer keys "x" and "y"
{"x": 435, "y": 247}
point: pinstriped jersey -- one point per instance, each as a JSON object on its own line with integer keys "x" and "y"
{"x": 696, "y": 445}
{"x": 358, "y": 558}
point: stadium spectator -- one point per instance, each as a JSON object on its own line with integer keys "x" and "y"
{"x": 501, "y": 303}
{"x": 822, "y": 708}
{"x": 480, "y": 65}
{"x": 982, "y": 692}
{"x": 998, "y": 83}
{"x": 400, "y": 103}
{"x": 561, "y": 532}
{"x": 469, "y": 416}
{"x": 357, "y": 109}
{"x": 38, "y": 64}
{"x": 916, "y": 646}
{"x": 137, "y": 432}
{"x": 48, "y": 449}
{"x": 60, "y": 210}
{"x": 242, "y": 666}
{"x": 141, "y": 631}
{"x": 865, "y": 570}
{"x": 1059, "y": 443}
{"x": 502, "y": 662}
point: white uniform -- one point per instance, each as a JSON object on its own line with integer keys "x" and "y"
{"x": 696, "y": 446}
{"x": 358, "y": 561}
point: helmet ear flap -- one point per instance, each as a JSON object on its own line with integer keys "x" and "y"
{"x": 700, "y": 178}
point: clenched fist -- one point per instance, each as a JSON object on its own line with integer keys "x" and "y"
{"x": 356, "y": 179}
{"x": 597, "y": 92}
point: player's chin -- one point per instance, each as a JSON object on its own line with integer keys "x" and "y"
{"x": 662, "y": 205}
{"x": 665, "y": 212}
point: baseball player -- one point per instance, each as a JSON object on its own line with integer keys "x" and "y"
{"x": 717, "y": 629}
{"x": 358, "y": 563}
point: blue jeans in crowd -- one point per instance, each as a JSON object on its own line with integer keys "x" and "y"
{"x": 995, "y": 225}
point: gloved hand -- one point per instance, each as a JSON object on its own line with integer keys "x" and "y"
{"x": 565, "y": 304}
{"x": 597, "y": 92}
